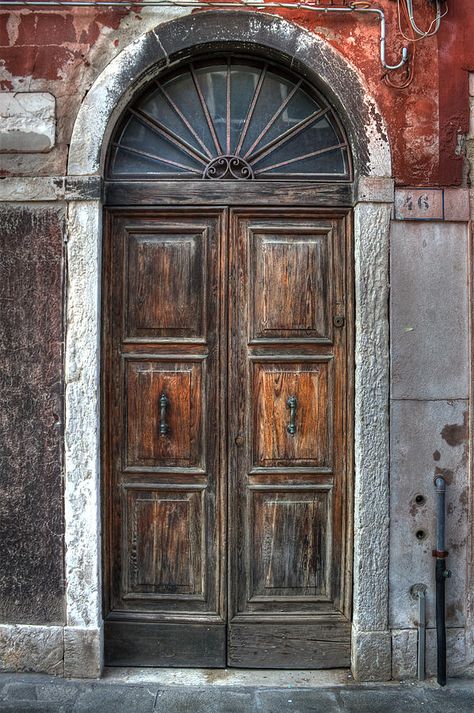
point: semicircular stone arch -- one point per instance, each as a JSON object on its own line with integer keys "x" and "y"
{"x": 207, "y": 33}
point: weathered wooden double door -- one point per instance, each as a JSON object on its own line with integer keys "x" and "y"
{"x": 227, "y": 378}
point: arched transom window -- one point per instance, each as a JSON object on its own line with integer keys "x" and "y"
{"x": 230, "y": 118}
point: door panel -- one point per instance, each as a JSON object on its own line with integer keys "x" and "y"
{"x": 165, "y": 278}
{"x": 179, "y": 384}
{"x": 287, "y": 445}
{"x": 165, "y": 438}
{"x": 308, "y": 386}
{"x": 164, "y": 548}
{"x": 290, "y": 282}
{"x": 289, "y": 542}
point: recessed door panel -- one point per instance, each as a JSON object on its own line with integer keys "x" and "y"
{"x": 165, "y": 275}
{"x": 292, "y": 413}
{"x": 289, "y": 545}
{"x": 290, "y": 283}
{"x": 164, "y": 550}
{"x": 164, "y": 413}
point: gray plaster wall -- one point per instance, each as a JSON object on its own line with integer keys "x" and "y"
{"x": 429, "y": 429}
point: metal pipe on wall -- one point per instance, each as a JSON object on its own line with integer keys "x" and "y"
{"x": 441, "y": 575}
{"x": 418, "y": 592}
{"x": 421, "y": 665}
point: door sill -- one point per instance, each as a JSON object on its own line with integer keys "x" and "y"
{"x": 250, "y": 678}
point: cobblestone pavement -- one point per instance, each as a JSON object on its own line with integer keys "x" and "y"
{"x": 31, "y": 692}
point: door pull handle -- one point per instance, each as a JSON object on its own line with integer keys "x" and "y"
{"x": 292, "y": 403}
{"x": 164, "y": 403}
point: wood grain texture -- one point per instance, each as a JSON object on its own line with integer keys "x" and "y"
{"x": 163, "y": 485}
{"x": 164, "y": 548}
{"x": 254, "y": 293}
{"x": 273, "y": 385}
{"x": 289, "y": 480}
{"x": 165, "y": 275}
{"x": 164, "y": 193}
{"x": 163, "y": 644}
{"x": 289, "y": 541}
{"x": 286, "y": 304}
{"x": 291, "y": 646}
{"x": 181, "y": 383}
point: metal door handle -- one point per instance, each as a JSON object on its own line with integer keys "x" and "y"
{"x": 164, "y": 403}
{"x": 292, "y": 403}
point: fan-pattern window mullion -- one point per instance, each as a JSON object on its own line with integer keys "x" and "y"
{"x": 230, "y": 119}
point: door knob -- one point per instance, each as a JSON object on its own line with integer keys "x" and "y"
{"x": 239, "y": 440}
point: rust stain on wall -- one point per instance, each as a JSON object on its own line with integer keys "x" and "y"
{"x": 455, "y": 434}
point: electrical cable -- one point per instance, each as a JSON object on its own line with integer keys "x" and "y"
{"x": 436, "y": 21}
{"x": 409, "y": 14}
{"x": 405, "y": 8}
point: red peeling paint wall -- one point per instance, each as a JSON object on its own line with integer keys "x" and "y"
{"x": 62, "y": 51}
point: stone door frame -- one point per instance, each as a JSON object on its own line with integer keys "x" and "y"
{"x": 341, "y": 84}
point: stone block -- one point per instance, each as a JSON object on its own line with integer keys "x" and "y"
{"x": 404, "y": 653}
{"x": 27, "y": 122}
{"x": 419, "y": 204}
{"x": 471, "y": 84}
{"x": 371, "y": 655}
{"x": 82, "y": 652}
{"x": 37, "y": 188}
{"x": 456, "y": 654}
{"x": 427, "y": 438}
{"x": 63, "y": 693}
{"x": 179, "y": 700}
{"x": 309, "y": 701}
{"x": 121, "y": 699}
{"x": 82, "y": 443}
{"x": 31, "y": 648}
{"x": 451, "y": 699}
{"x": 371, "y": 495}
{"x": 381, "y": 700}
{"x": 456, "y": 204}
{"x": 372, "y": 189}
{"x": 20, "y": 692}
{"x": 429, "y": 310}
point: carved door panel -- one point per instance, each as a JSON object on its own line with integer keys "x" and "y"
{"x": 288, "y": 428}
{"x": 165, "y": 435}
{"x": 226, "y": 388}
